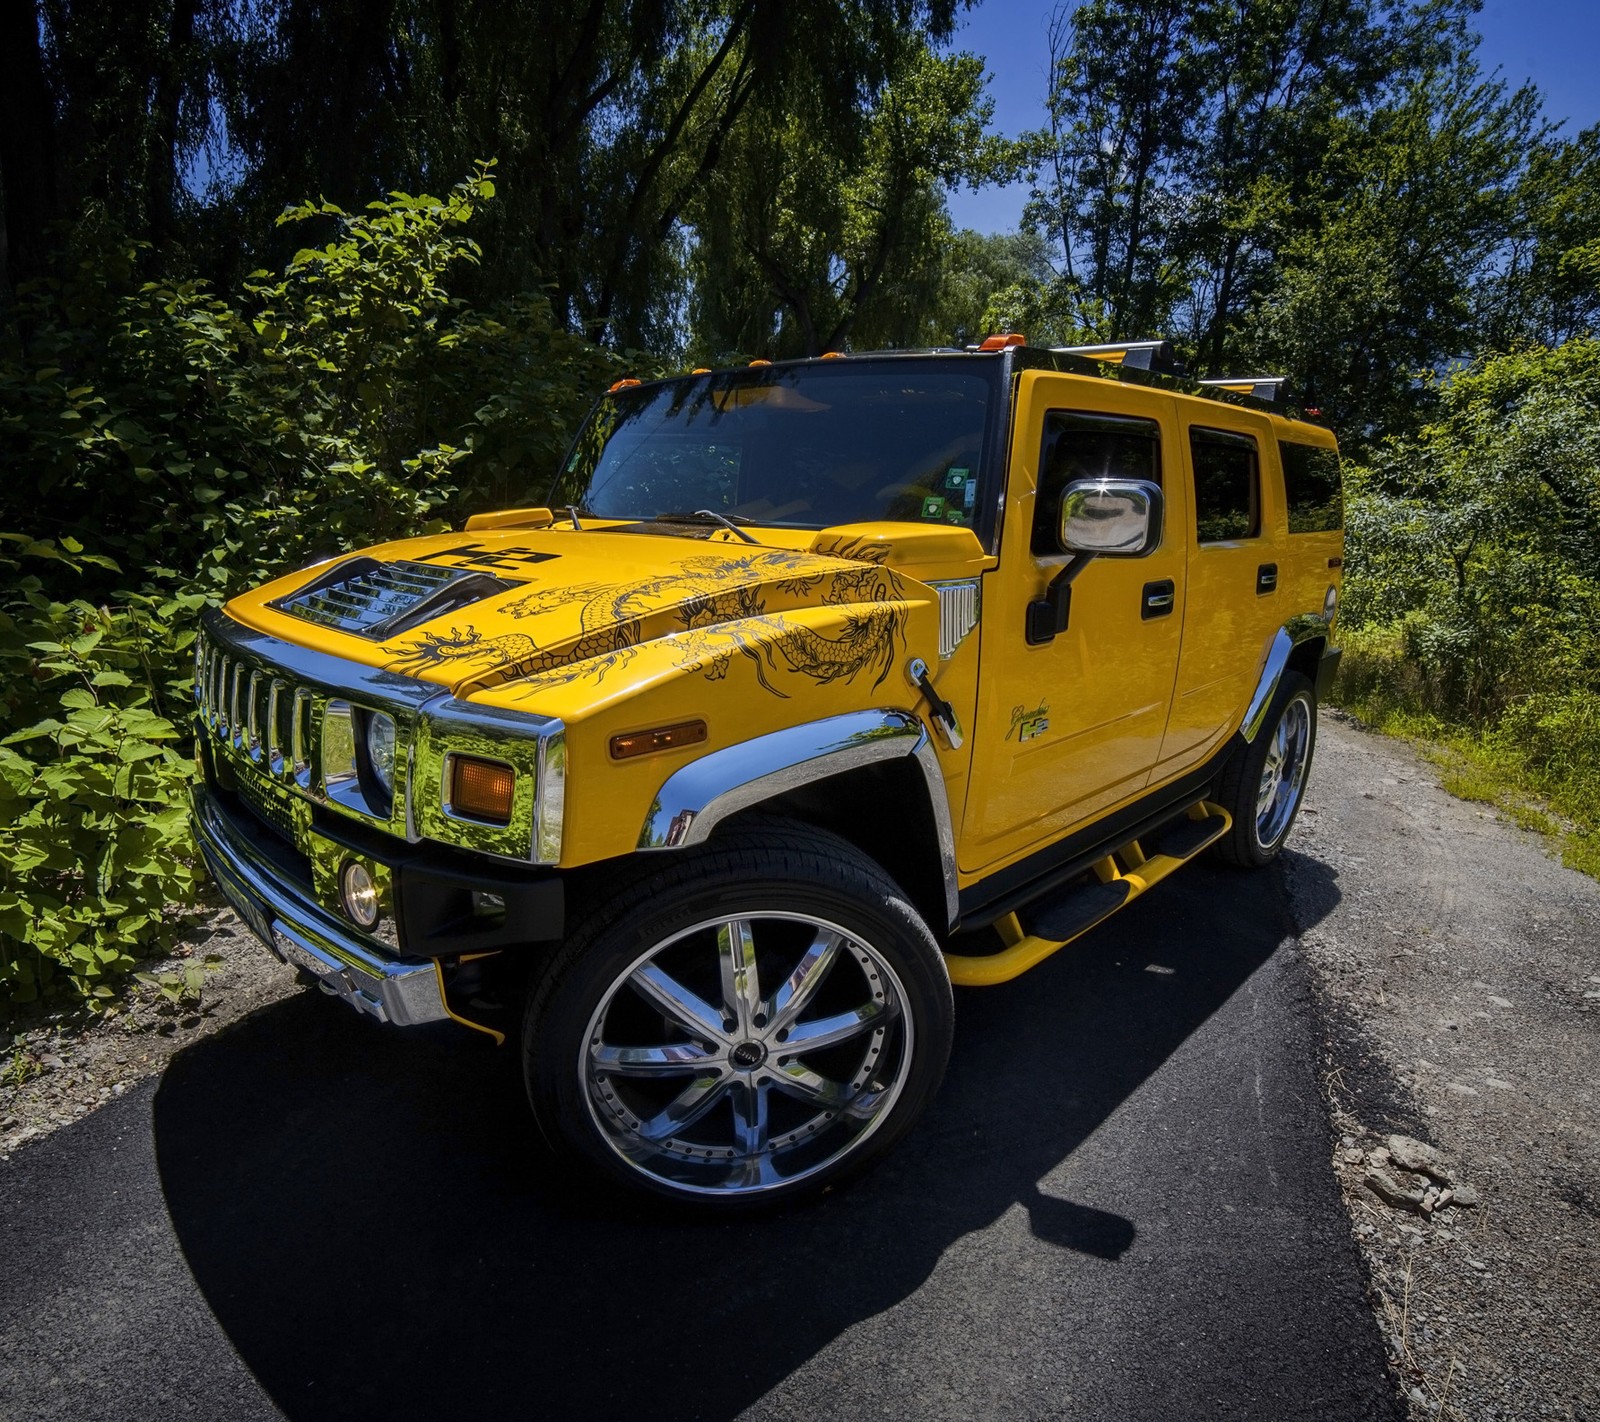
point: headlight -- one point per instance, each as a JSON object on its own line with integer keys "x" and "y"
{"x": 381, "y": 749}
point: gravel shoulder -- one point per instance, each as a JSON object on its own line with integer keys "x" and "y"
{"x": 1458, "y": 967}
{"x": 55, "y": 1068}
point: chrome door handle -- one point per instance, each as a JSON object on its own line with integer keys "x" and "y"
{"x": 1158, "y": 599}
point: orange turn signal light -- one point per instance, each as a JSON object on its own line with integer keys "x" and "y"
{"x": 999, "y": 343}
{"x": 685, "y": 733}
{"x": 481, "y": 789}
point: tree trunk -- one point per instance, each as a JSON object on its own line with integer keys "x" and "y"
{"x": 27, "y": 143}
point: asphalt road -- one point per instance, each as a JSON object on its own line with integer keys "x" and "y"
{"x": 1120, "y": 1207}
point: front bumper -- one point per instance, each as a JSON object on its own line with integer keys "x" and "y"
{"x": 345, "y": 962}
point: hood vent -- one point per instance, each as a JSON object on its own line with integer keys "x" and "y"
{"x": 377, "y": 600}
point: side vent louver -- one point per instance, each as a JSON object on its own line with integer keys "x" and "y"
{"x": 958, "y": 614}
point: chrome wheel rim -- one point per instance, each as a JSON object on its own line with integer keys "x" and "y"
{"x": 747, "y": 1053}
{"x": 1283, "y": 774}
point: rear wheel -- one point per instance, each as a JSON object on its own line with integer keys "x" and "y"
{"x": 754, "y": 1021}
{"x": 1264, "y": 784}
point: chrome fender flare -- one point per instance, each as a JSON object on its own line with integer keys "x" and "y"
{"x": 1289, "y": 636}
{"x": 694, "y": 799}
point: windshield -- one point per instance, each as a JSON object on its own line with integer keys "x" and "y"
{"x": 803, "y": 446}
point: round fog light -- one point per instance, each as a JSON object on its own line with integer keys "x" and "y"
{"x": 360, "y": 894}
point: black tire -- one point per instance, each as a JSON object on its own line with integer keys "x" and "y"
{"x": 1261, "y": 825}
{"x": 805, "y": 1077}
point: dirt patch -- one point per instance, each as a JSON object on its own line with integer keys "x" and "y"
{"x": 56, "y": 1066}
{"x": 1458, "y": 967}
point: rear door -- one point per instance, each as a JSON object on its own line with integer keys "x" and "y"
{"x": 1234, "y": 567}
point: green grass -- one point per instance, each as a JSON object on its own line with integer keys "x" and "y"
{"x": 1539, "y": 767}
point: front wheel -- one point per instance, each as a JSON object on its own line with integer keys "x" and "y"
{"x": 1264, "y": 784}
{"x": 755, "y": 1021}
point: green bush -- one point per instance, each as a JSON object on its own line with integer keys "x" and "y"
{"x": 1482, "y": 535}
{"x": 93, "y": 837}
{"x": 197, "y": 439}
{"x": 1472, "y": 599}
{"x": 165, "y": 446}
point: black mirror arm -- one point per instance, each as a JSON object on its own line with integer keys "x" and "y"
{"x": 1047, "y": 615}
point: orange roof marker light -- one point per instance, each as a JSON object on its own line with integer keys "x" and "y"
{"x": 622, "y": 385}
{"x": 701, "y": 370}
{"x": 999, "y": 343}
{"x": 833, "y": 355}
{"x": 761, "y": 362}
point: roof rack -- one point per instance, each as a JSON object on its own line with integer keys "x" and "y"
{"x": 1135, "y": 355}
{"x": 1263, "y": 387}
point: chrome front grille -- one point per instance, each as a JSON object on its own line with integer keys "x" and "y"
{"x": 376, "y": 600}
{"x": 287, "y": 724}
{"x": 267, "y": 806}
{"x": 259, "y": 716}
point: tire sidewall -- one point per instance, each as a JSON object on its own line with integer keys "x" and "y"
{"x": 1294, "y": 687}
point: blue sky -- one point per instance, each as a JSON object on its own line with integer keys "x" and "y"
{"x": 1552, "y": 42}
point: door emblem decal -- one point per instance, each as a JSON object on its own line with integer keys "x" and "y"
{"x": 1026, "y": 724}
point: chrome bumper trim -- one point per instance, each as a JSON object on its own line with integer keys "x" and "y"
{"x": 344, "y": 961}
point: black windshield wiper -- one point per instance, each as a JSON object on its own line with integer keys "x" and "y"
{"x": 704, "y": 515}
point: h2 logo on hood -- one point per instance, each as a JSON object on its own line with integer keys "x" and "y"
{"x": 475, "y": 555}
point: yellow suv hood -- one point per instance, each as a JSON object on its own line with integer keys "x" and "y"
{"x": 547, "y": 607}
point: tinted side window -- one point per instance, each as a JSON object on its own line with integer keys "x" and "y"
{"x": 1227, "y": 485}
{"x": 1083, "y": 446}
{"x": 1311, "y": 485}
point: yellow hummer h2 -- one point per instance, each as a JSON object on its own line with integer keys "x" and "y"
{"x": 817, "y": 687}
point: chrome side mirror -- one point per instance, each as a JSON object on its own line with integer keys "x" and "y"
{"x": 1111, "y": 518}
{"x": 1100, "y": 518}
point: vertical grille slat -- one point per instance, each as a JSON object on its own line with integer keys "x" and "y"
{"x": 277, "y": 705}
{"x": 236, "y": 703}
{"x": 219, "y": 689}
{"x": 252, "y": 719}
{"x": 300, "y": 735}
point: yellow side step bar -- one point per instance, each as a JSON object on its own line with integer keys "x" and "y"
{"x": 1023, "y": 951}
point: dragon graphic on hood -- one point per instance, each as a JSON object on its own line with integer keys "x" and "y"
{"x": 716, "y": 610}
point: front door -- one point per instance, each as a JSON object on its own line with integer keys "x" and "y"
{"x": 1070, "y": 728}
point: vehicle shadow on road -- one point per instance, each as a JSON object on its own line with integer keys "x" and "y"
{"x": 378, "y": 1229}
